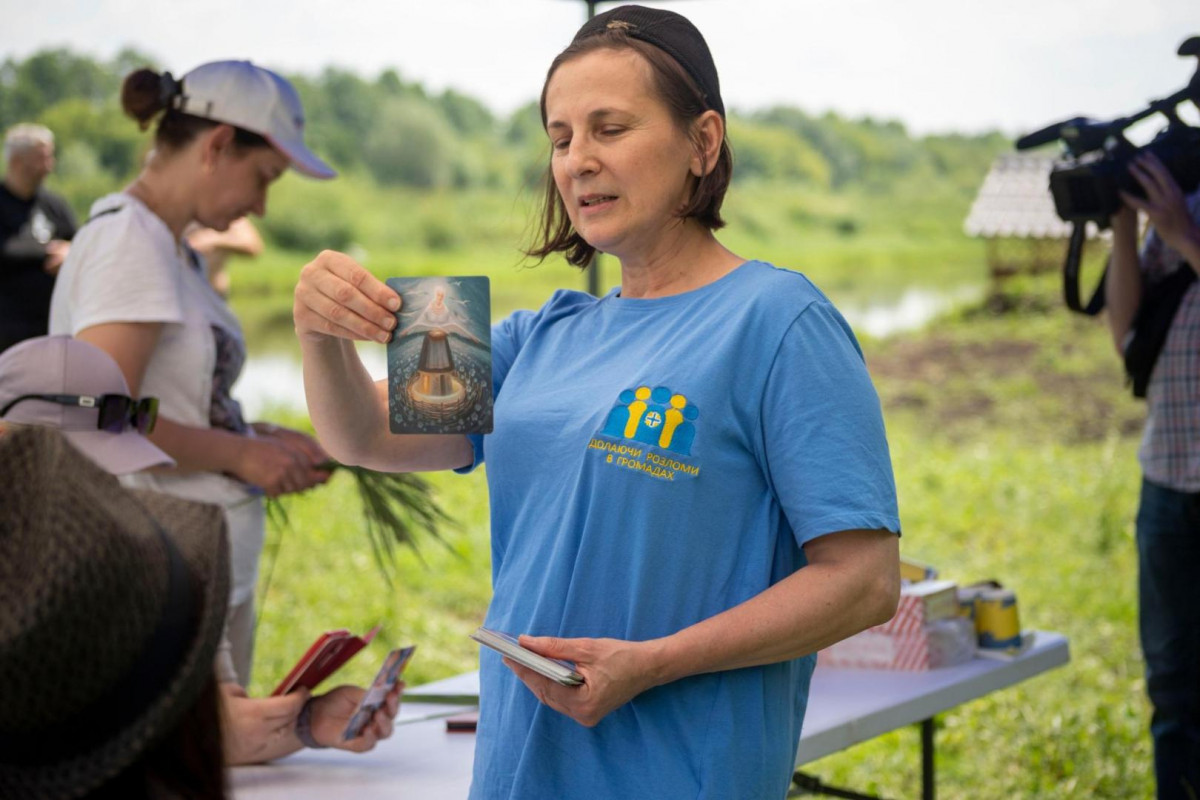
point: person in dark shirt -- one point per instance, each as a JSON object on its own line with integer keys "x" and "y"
{"x": 36, "y": 227}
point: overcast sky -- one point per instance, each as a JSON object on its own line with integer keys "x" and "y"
{"x": 936, "y": 65}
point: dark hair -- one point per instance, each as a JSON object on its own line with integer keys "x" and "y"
{"x": 188, "y": 761}
{"x": 685, "y": 101}
{"x": 145, "y": 94}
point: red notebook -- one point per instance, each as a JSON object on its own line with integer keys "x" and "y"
{"x": 327, "y": 654}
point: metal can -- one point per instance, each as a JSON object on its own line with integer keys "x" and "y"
{"x": 996, "y": 619}
{"x": 967, "y": 597}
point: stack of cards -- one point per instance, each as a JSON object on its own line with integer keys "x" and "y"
{"x": 328, "y": 653}
{"x": 561, "y": 671}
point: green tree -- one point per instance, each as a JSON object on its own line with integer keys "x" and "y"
{"x": 772, "y": 152}
{"x": 47, "y": 77}
{"x": 465, "y": 114}
{"x": 412, "y": 145}
{"x": 114, "y": 138}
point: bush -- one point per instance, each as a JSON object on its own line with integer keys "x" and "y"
{"x": 412, "y": 146}
{"x": 308, "y": 215}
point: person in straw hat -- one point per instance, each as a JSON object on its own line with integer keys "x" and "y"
{"x": 112, "y": 604}
{"x": 75, "y": 388}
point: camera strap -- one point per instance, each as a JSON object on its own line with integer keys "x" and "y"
{"x": 1071, "y": 275}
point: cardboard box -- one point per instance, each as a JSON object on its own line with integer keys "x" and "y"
{"x": 920, "y": 604}
{"x": 942, "y": 643}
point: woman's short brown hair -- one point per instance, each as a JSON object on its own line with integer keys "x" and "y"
{"x": 684, "y": 99}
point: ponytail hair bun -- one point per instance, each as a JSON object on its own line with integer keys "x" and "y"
{"x": 145, "y": 94}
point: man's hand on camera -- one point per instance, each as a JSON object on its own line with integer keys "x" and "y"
{"x": 1164, "y": 203}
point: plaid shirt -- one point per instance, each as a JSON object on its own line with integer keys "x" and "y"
{"x": 1170, "y": 450}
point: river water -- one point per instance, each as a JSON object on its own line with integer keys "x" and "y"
{"x": 273, "y": 380}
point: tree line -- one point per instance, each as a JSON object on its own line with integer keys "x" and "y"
{"x": 397, "y": 133}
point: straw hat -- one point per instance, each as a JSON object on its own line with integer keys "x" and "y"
{"x": 112, "y": 603}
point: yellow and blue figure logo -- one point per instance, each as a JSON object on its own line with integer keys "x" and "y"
{"x": 656, "y": 417}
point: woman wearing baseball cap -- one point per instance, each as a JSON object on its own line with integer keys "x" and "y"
{"x": 690, "y": 486}
{"x": 134, "y": 288}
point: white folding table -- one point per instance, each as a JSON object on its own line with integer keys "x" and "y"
{"x": 846, "y": 706}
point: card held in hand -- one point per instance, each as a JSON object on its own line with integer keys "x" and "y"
{"x": 385, "y": 680}
{"x": 440, "y": 358}
{"x": 328, "y": 653}
{"x": 555, "y": 669}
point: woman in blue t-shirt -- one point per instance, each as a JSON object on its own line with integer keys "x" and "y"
{"x": 689, "y": 480}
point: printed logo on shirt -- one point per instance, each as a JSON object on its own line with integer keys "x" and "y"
{"x": 656, "y": 417}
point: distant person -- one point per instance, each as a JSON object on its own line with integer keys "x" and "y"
{"x": 131, "y": 286}
{"x": 689, "y": 480}
{"x": 111, "y": 607}
{"x": 1168, "y": 517}
{"x": 76, "y": 389}
{"x": 215, "y": 247}
{"x": 36, "y": 228}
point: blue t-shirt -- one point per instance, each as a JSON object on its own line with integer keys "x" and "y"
{"x": 654, "y": 463}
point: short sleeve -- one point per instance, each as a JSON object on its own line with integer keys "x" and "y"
{"x": 117, "y": 272}
{"x": 825, "y": 450}
{"x": 509, "y": 336}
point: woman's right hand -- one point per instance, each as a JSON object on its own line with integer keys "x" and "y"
{"x": 336, "y": 296}
{"x": 275, "y": 466}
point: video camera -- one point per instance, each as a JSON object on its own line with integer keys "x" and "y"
{"x": 1086, "y": 181}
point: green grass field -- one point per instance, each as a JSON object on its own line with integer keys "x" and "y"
{"x": 1013, "y": 442}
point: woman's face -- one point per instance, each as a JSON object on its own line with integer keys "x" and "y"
{"x": 622, "y": 166}
{"x": 235, "y": 184}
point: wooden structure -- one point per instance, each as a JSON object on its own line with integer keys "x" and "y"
{"x": 1014, "y": 213}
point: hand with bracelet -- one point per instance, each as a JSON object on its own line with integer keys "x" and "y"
{"x": 258, "y": 729}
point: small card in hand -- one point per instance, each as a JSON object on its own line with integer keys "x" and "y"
{"x": 555, "y": 669}
{"x": 385, "y": 680}
{"x": 327, "y": 654}
{"x": 440, "y": 358}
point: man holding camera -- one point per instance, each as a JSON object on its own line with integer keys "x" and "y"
{"x": 1168, "y": 520}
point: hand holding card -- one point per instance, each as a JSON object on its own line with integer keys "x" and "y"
{"x": 556, "y": 670}
{"x": 440, "y": 358}
{"x": 385, "y": 680}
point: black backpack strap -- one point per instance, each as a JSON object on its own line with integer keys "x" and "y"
{"x": 1152, "y": 322}
{"x": 100, "y": 214}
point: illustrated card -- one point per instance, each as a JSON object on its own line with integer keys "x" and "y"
{"x": 385, "y": 680}
{"x": 440, "y": 358}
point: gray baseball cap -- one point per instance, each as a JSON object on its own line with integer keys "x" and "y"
{"x": 254, "y": 99}
{"x": 60, "y": 365}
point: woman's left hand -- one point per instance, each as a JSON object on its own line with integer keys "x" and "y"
{"x": 307, "y": 448}
{"x": 614, "y": 672}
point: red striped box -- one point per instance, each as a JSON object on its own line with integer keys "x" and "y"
{"x": 942, "y": 643}
{"x": 920, "y": 604}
